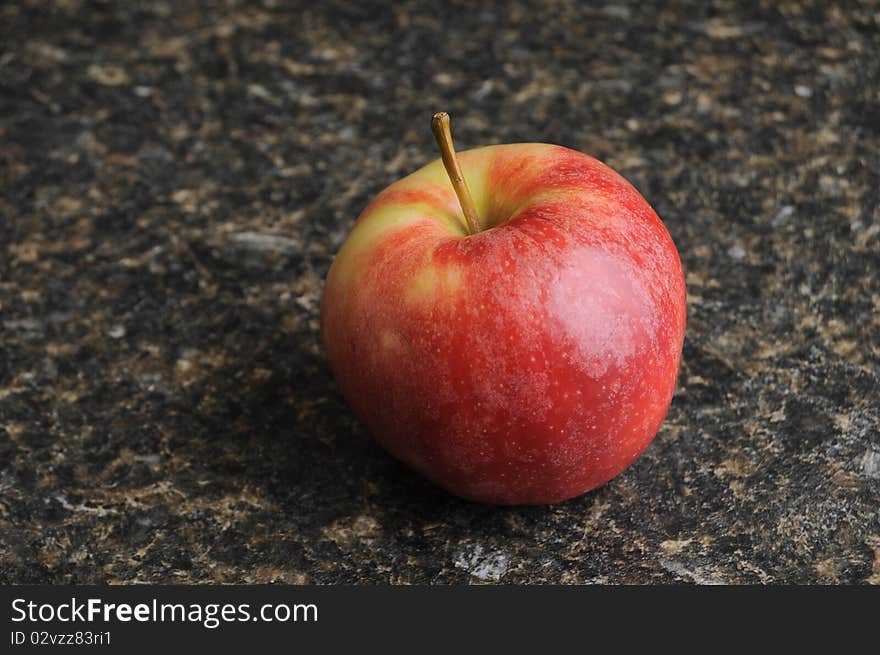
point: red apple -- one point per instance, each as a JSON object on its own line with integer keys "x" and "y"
{"x": 524, "y": 363}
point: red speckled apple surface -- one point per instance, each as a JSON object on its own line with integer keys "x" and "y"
{"x": 526, "y": 363}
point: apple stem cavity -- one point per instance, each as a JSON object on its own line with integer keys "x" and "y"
{"x": 440, "y": 128}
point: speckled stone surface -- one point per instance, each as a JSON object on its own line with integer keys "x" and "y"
{"x": 176, "y": 177}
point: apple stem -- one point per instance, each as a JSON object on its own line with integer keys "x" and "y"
{"x": 440, "y": 128}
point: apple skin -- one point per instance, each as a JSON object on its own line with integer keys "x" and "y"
{"x": 528, "y": 363}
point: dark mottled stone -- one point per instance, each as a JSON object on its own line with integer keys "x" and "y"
{"x": 176, "y": 176}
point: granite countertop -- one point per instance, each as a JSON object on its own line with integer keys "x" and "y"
{"x": 176, "y": 177}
